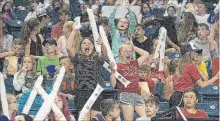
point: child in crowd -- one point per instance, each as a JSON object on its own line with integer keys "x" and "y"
{"x": 25, "y": 78}
{"x": 119, "y": 34}
{"x": 187, "y": 29}
{"x": 202, "y": 41}
{"x": 200, "y": 64}
{"x": 50, "y": 59}
{"x": 151, "y": 108}
{"x": 23, "y": 117}
{"x": 12, "y": 64}
{"x": 64, "y": 15}
{"x": 130, "y": 97}
{"x": 190, "y": 99}
{"x": 88, "y": 65}
{"x": 183, "y": 79}
{"x": 144, "y": 75}
{"x": 12, "y": 105}
{"x": 67, "y": 86}
{"x": 110, "y": 111}
{"x": 33, "y": 40}
{"x": 62, "y": 104}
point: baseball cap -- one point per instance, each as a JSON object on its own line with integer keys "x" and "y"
{"x": 41, "y": 12}
{"x": 189, "y": 47}
{"x": 50, "y": 41}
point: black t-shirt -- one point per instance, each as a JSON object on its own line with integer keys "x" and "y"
{"x": 171, "y": 30}
{"x": 88, "y": 71}
{"x": 146, "y": 45}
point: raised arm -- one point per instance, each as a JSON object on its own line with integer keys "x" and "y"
{"x": 111, "y": 21}
{"x": 143, "y": 55}
{"x": 70, "y": 42}
{"x": 132, "y": 20}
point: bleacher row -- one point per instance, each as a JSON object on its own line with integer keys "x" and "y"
{"x": 208, "y": 100}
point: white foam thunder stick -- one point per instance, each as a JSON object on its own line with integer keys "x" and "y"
{"x": 160, "y": 49}
{"x": 46, "y": 107}
{"x": 106, "y": 43}
{"x": 162, "y": 38}
{"x": 94, "y": 29}
{"x": 124, "y": 81}
{"x": 3, "y": 97}
{"x": 54, "y": 107}
{"x": 32, "y": 96}
{"x": 90, "y": 102}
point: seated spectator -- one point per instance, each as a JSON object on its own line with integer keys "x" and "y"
{"x": 201, "y": 66}
{"x": 183, "y": 79}
{"x": 50, "y": 57}
{"x": 171, "y": 23}
{"x": 33, "y": 40}
{"x": 190, "y": 99}
{"x": 12, "y": 105}
{"x": 202, "y": 42}
{"x": 57, "y": 5}
{"x": 7, "y": 10}
{"x": 151, "y": 108}
{"x": 23, "y": 117}
{"x": 62, "y": 104}
{"x": 67, "y": 85}
{"x": 110, "y": 111}
{"x": 144, "y": 75}
{"x": 12, "y": 64}
{"x": 187, "y": 29}
{"x": 140, "y": 40}
{"x": 25, "y": 78}
{"x": 146, "y": 12}
{"x": 57, "y": 29}
{"x": 32, "y": 13}
{"x": 202, "y": 16}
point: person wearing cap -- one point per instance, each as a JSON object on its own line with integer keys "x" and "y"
{"x": 50, "y": 58}
{"x": 32, "y": 13}
{"x": 187, "y": 75}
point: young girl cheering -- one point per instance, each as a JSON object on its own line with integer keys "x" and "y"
{"x": 130, "y": 97}
{"x": 88, "y": 65}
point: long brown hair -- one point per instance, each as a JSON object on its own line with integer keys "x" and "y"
{"x": 187, "y": 27}
{"x": 27, "y": 28}
{"x": 186, "y": 58}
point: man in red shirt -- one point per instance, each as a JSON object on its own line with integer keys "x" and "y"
{"x": 190, "y": 99}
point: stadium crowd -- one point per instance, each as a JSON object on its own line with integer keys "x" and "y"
{"x": 38, "y": 37}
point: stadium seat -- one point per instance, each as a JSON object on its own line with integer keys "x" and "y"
{"x": 173, "y": 55}
{"x": 158, "y": 91}
{"x": 210, "y": 108}
{"x": 208, "y": 94}
{"x": 163, "y": 107}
